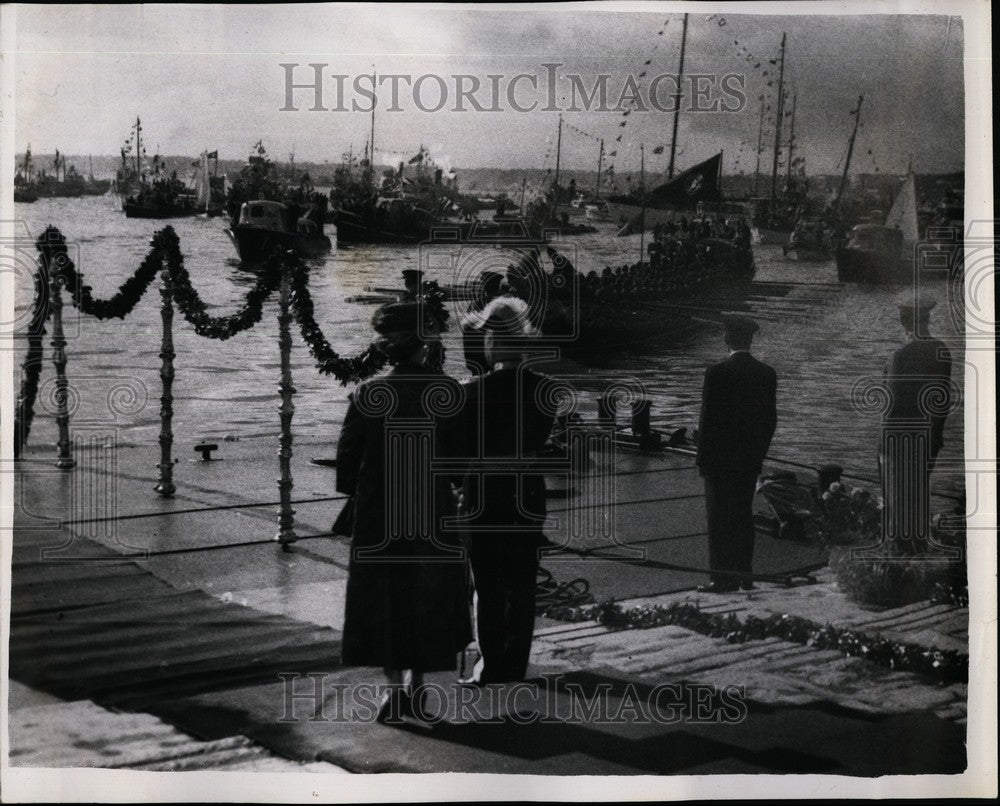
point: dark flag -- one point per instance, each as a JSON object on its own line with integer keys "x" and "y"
{"x": 700, "y": 183}
{"x": 212, "y": 155}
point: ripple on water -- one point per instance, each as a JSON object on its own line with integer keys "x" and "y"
{"x": 819, "y": 338}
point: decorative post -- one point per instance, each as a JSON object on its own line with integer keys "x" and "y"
{"x": 286, "y": 515}
{"x": 165, "y": 487}
{"x": 65, "y": 460}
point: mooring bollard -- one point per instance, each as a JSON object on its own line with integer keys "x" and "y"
{"x": 286, "y": 515}
{"x": 640, "y": 416}
{"x": 606, "y": 410}
{"x": 65, "y": 460}
{"x": 165, "y": 487}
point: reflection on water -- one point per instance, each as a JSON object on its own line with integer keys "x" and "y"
{"x": 821, "y": 337}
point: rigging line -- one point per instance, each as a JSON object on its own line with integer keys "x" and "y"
{"x": 192, "y": 510}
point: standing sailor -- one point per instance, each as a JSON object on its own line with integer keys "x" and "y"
{"x": 918, "y": 384}
{"x": 738, "y": 418}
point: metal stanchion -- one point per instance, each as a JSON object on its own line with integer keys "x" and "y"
{"x": 286, "y": 515}
{"x": 65, "y": 460}
{"x": 165, "y": 487}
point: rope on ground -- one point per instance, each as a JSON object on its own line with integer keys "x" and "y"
{"x": 549, "y": 593}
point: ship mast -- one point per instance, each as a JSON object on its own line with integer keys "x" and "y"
{"x": 791, "y": 145}
{"x": 600, "y": 164}
{"x": 642, "y": 191}
{"x": 677, "y": 101}
{"x": 372, "y": 141}
{"x": 778, "y": 122}
{"x": 138, "y": 147}
{"x": 850, "y": 151}
{"x": 558, "y": 159}
{"x": 760, "y": 143}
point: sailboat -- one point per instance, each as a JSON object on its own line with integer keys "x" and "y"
{"x": 883, "y": 253}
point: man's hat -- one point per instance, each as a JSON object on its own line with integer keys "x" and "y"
{"x": 398, "y": 316}
{"x": 412, "y": 274}
{"x": 739, "y": 325}
{"x": 909, "y": 301}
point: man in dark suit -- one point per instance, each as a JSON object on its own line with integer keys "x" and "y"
{"x": 918, "y": 381}
{"x": 504, "y": 495}
{"x": 738, "y": 417}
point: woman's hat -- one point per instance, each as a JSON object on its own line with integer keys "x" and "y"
{"x": 400, "y": 316}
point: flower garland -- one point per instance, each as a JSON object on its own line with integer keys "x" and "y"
{"x": 193, "y": 308}
{"x": 31, "y": 367}
{"x": 166, "y": 253}
{"x": 52, "y": 246}
{"x": 328, "y": 362}
{"x": 946, "y": 666}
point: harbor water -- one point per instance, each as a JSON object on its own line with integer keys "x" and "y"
{"x": 822, "y": 338}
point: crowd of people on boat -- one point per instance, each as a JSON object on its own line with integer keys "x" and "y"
{"x": 681, "y": 256}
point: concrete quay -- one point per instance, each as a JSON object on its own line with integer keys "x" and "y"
{"x": 140, "y": 622}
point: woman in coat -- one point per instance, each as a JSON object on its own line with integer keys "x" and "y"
{"x": 407, "y": 600}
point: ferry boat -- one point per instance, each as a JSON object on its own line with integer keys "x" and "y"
{"x": 264, "y": 226}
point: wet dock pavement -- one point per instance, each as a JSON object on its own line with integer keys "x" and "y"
{"x": 188, "y": 610}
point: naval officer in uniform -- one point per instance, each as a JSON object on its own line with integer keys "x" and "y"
{"x": 918, "y": 382}
{"x": 738, "y": 417}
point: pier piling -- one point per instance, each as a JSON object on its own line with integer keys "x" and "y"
{"x": 286, "y": 515}
{"x": 165, "y": 486}
{"x": 65, "y": 461}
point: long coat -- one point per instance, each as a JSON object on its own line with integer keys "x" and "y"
{"x": 505, "y": 426}
{"x": 407, "y": 590}
{"x": 738, "y": 415}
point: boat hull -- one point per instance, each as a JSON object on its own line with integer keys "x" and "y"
{"x": 255, "y": 244}
{"x": 142, "y": 211}
{"x": 872, "y": 267}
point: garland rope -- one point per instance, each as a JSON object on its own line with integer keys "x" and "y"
{"x": 52, "y": 246}
{"x": 193, "y": 308}
{"x": 166, "y": 253}
{"x": 943, "y": 665}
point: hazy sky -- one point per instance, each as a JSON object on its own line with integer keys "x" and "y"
{"x": 209, "y": 77}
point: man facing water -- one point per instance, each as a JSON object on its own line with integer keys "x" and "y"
{"x": 920, "y": 396}
{"x": 738, "y": 417}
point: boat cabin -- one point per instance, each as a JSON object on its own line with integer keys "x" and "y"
{"x": 264, "y": 215}
{"x": 875, "y": 238}
{"x": 272, "y": 215}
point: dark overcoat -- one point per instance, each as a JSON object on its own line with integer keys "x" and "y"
{"x": 505, "y": 425}
{"x": 738, "y": 415}
{"x": 407, "y": 591}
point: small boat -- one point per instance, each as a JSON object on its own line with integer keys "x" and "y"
{"x": 873, "y": 254}
{"x": 810, "y": 241}
{"x": 264, "y": 226}
{"x": 597, "y": 211}
{"x": 883, "y": 254}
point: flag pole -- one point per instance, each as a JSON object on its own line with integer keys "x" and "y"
{"x": 642, "y": 192}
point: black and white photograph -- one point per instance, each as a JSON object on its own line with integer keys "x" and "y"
{"x": 596, "y": 398}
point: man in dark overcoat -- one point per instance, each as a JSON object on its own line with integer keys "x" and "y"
{"x": 920, "y": 397}
{"x": 506, "y": 425}
{"x": 738, "y": 418}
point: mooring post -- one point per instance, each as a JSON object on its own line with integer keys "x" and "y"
{"x": 165, "y": 487}
{"x": 65, "y": 445}
{"x": 286, "y": 515}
